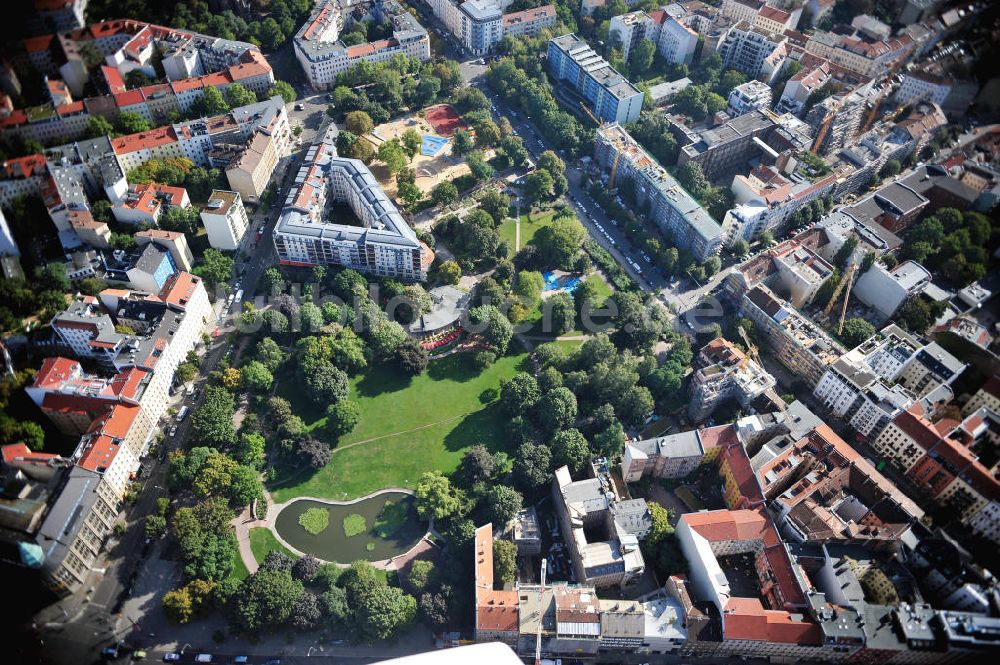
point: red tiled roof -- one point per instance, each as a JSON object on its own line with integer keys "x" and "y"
{"x": 114, "y": 78}
{"x": 746, "y": 479}
{"x": 533, "y": 14}
{"x": 99, "y": 453}
{"x": 779, "y": 566}
{"x": 717, "y": 437}
{"x": 70, "y": 109}
{"x": 141, "y": 140}
{"x": 54, "y": 372}
{"x": 179, "y": 288}
{"x": 719, "y": 525}
{"x": 34, "y": 44}
{"x": 16, "y": 117}
{"x": 129, "y": 98}
{"x": 24, "y": 167}
{"x": 126, "y": 384}
{"x": 774, "y": 14}
{"x": 495, "y": 610}
{"x": 216, "y": 79}
{"x": 91, "y": 406}
{"x": 118, "y": 421}
{"x": 746, "y": 619}
{"x": 918, "y": 428}
{"x": 18, "y": 452}
{"x": 968, "y": 467}
{"x": 186, "y": 84}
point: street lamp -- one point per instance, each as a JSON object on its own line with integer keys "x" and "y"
{"x": 186, "y": 645}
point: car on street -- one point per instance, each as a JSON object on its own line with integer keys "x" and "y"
{"x": 171, "y": 657}
{"x": 173, "y": 430}
{"x": 182, "y": 414}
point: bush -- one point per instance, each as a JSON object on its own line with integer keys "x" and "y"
{"x": 315, "y": 520}
{"x": 354, "y": 524}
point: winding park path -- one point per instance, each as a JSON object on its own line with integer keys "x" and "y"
{"x": 246, "y": 521}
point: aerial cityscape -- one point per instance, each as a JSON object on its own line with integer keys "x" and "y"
{"x": 497, "y": 331}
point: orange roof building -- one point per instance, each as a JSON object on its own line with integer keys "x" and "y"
{"x": 496, "y": 610}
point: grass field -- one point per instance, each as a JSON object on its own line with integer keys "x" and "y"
{"x": 263, "y": 541}
{"x": 240, "y": 571}
{"x": 530, "y": 225}
{"x": 408, "y": 426}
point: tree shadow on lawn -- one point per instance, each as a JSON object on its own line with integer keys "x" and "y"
{"x": 485, "y": 426}
{"x": 382, "y": 378}
{"x": 456, "y": 367}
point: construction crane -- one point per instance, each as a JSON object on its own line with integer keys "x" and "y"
{"x": 751, "y": 348}
{"x": 847, "y": 296}
{"x": 847, "y": 280}
{"x": 821, "y": 135}
{"x": 614, "y": 171}
{"x": 541, "y": 616}
{"x": 590, "y": 114}
{"x": 614, "y": 165}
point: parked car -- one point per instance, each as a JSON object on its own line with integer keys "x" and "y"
{"x": 203, "y": 658}
{"x": 171, "y": 657}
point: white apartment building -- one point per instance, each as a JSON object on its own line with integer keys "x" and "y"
{"x": 750, "y": 96}
{"x": 886, "y": 290}
{"x": 323, "y": 56}
{"x": 225, "y": 219}
{"x": 882, "y": 377}
{"x": 383, "y": 243}
{"x": 749, "y": 49}
{"x": 674, "y": 40}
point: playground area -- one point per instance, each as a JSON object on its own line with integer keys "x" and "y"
{"x": 558, "y": 280}
{"x": 444, "y": 119}
{"x": 433, "y": 163}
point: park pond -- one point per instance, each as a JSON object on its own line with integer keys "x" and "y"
{"x": 378, "y": 527}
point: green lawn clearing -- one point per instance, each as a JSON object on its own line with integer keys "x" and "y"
{"x": 240, "y": 571}
{"x": 530, "y": 225}
{"x": 408, "y": 426}
{"x": 354, "y": 524}
{"x": 315, "y": 520}
{"x": 263, "y": 541}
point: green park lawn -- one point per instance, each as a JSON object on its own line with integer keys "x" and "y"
{"x": 408, "y": 426}
{"x": 263, "y": 541}
{"x": 530, "y": 225}
{"x": 240, "y": 571}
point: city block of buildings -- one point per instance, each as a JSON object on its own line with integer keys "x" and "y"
{"x": 59, "y": 511}
{"x": 323, "y": 55}
{"x": 191, "y": 62}
{"x": 480, "y": 24}
{"x": 68, "y": 177}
